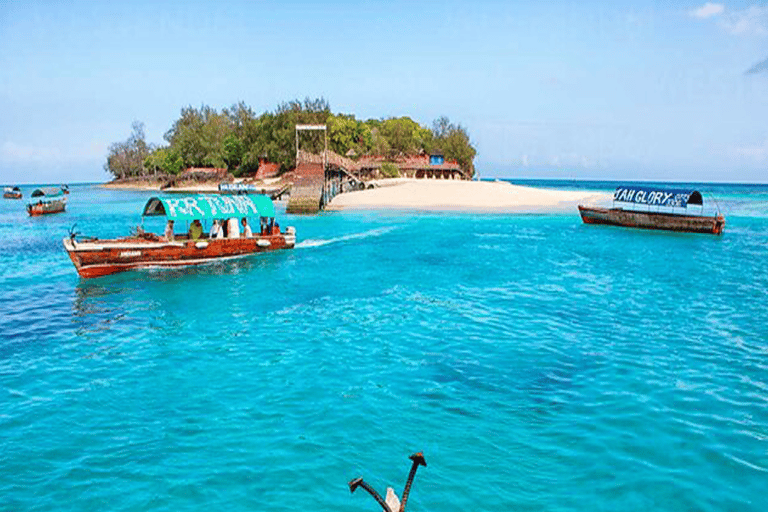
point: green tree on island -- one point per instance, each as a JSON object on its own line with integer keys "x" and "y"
{"x": 126, "y": 159}
{"x": 453, "y": 141}
{"x": 237, "y": 139}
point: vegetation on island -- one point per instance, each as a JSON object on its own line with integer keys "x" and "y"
{"x": 237, "y": 139}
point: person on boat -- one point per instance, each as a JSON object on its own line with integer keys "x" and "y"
{"x": 247, "y": 232}
{"x": 169, "y": 231}
{"x": 195, "y": 230}
{"x": 216, "y": 231}
{"x": 233, "y": 228}
{"x": 276, "y": 229}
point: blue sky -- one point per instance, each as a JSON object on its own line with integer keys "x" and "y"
{"x": 590, "y": 90}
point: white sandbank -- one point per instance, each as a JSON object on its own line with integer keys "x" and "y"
{"x": 479, "y": 196}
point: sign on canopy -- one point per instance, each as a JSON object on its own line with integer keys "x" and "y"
{"x": 201, "y": 207}
{"x": 673, "y": 198}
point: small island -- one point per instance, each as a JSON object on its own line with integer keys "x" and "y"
{"x": 392, "y": 163}
{"x": 205, "y": 146}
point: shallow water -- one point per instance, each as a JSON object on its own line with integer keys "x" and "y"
{"x": 539, "y": 363}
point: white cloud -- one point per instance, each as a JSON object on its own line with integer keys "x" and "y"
{"x": 707, "y": 10}
{"x": 14, "y": 153}
{"x": 756, "y": 152}
{"x": 751, "y": 21}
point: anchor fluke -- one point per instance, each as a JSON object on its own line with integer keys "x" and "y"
{"x": 418, "y": 458}
{"x": 359, "y": 482}
{"x": 392, "y": 503}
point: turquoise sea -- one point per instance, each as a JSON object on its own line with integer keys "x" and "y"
{"x": 540, "y": 365}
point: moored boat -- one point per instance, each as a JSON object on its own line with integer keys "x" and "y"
{"x": 65, "y": 189}
{"x": 12, "y": 193}
{"x": 46, "y": 201}
{"x": 240, "y": 188}
{"x": 651, "y": 208}
{"x": 93, "y": 257}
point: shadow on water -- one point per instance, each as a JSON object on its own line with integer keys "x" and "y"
{"x": 109, "y": 298}
{"x": 538, "y": 391}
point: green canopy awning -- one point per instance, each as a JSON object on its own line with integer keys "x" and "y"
{"x": 209, "y": 207}
{"x": 264, "y": 205}
{"x": 47, "y": 193}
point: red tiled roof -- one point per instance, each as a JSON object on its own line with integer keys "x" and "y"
{"x": 410, "y": 162}
{"x": 407, "y": 162}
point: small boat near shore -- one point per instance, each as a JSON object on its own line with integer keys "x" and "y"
{"x": 652, "y": 208}
{"x": 251, "y": 188}
{"x": 12, "y": 193}
{"x": 241, "y": 188}
{"x": 94, "y": 258}
{"x": 46, "y": 201}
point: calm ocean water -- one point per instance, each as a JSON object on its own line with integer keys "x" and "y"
{"x": 539, "y": 363}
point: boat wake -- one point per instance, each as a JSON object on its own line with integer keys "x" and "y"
{"x": 319, "y": 242}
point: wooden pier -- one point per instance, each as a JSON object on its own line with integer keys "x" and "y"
{"x": 318, "y": 178}
{"x": 307, "y": 191}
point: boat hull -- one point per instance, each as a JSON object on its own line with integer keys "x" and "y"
{"x": 46, "y": 208}
{"x": 12, "y": 195}
{"x": 100, "y": 258}
{"x": 650, "y": 220}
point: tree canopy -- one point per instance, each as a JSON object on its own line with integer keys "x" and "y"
{"x": 237, "y": 138}
{"x": 126, "y": 159}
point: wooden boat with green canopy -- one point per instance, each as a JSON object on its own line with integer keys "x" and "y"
{"x": 45, "y": 201}
{"x": 12, "y": 193}
{"x": 230, "y": 235}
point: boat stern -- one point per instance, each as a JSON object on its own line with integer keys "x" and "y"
{"x": 290, "y": 237}
{"x": 719, "y": 225}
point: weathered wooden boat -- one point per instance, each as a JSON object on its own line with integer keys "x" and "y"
{"x": 12, "y": 193}
{"x": 651, "y": 208}
{"x": 250, "y": 188}
{"x": 46, "y": 201}
{"x": 240, "y": 188}
{"x": 93, "y": 257}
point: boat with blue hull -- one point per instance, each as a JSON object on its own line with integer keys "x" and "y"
{"x": 651, "y": 208}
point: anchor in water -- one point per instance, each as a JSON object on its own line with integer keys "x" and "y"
{"x": 392, "y": 503}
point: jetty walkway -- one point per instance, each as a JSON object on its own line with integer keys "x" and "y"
{"x": 318, "y": 179}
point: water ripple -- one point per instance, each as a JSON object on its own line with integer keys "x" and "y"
{"x": 540, "y": 365}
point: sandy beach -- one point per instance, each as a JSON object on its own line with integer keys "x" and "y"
{"x": 132, "y": 185}
{"x": 481, "y": 196}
